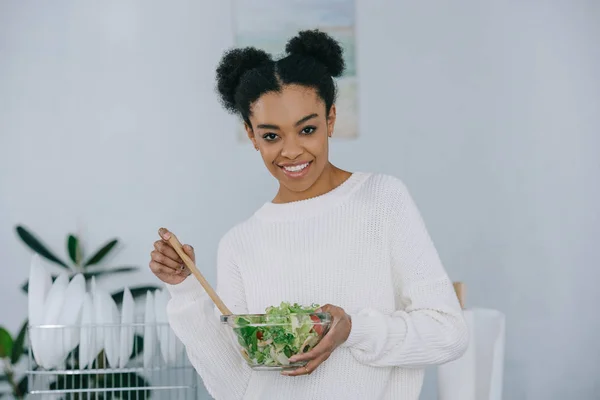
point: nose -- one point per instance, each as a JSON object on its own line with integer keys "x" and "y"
{"x": 291, "y": 148}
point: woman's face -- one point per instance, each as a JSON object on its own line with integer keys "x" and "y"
{"x": 291, "y": 131}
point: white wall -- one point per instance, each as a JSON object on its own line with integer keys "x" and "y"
{"x": 489, "y": 111}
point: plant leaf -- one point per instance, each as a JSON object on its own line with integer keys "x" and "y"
{"x": 100, "y": 254}
{"x": 74, "y": 249}
{"x": 6, "y": 343}
{"x": 35, "y": 245}
{"x": 138, "y": 346}
{"x": 17, "y": 350}
{"x": 135, "y": 292}
{"x": 72, "y": 359}
{"x": 89, "y": 274}
{"x": 23, "y": 386}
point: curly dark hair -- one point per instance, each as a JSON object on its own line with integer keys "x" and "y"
{"x": 313, "y": 59}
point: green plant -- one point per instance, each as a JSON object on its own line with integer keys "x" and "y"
{"x": 87, "y": 266}
{"x": 12, "y": 349}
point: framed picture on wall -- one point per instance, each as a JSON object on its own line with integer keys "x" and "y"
{"x": 269, "y": 24}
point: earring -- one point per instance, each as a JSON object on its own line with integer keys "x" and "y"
{"x": 256, "y": 148}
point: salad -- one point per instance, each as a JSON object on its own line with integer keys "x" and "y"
{"x": 271, "y": 339}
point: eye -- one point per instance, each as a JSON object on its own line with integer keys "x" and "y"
{"x": 308, "y": 130}
{"x": 269, "y": 137}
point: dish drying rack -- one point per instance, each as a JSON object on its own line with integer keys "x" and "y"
{"x": 161, "y": 371}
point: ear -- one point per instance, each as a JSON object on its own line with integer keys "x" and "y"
{"x": 250, "y": 134}
{"x": 331, "y": 120}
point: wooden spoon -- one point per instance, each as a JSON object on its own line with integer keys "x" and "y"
{"x": 192, "y": 267}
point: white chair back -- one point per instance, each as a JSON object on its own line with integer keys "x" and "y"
{"x": 479, "y": 373}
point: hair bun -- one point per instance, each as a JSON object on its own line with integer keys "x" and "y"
{"x": 232, "y": 67}
{"x": 320, "y": 46}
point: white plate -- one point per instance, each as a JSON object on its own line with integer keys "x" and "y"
{"x": 40, "y": 282}
{"x": 70, "y": 315}
{"x": 127, "y": 332}
{"x": 98, "y": 332}
{"x": 109, "y": 325}
{"x": 149, "y": 330}
{"x": 170, "y": 346}
{"x": 87, "y": 341}
{"x": 115, "y": 331}
{"x": 52, "y": 336}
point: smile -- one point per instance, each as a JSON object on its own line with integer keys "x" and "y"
{"x": 296, "y": 171}
{"x": 296, "y": 168}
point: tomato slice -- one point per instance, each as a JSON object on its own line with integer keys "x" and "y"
{"x": 318, "y": 328}
{"x": 259, "y": 335}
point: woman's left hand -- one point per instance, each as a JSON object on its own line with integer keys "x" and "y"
{"x": 339, "y": 331}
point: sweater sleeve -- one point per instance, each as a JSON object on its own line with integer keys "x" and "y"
{"x": 427, "y": 326}
{"x": 209, "y": 344}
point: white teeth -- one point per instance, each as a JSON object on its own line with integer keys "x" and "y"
{"x": 296, "y": 168}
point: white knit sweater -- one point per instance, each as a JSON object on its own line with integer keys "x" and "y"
{"x": 363, "y": 247}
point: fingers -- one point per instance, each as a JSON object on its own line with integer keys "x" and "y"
{"x": 325, "y": 346}
{"x": 189, "y": 250}
{"x": 166, "y": 274}
{"x": 336, "y": 335}
{"x": 160, "y": 269}
{"x": 336, "y": 313}
{"x": 160, "y": 257}
{"x": 164, "y": 247}
{"x": 326, "y": 308}
{"x": 331, "y": 309}
{"x": 164, "y": 234}
{"x": 166, "y": 250}
{"x": 308, "y": 368}
{"x": 165, "y": 260}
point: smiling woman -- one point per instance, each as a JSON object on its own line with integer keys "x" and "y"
{"x": 292, "y": 132}
{"x": 328, "y": 236}
{"x": 288, "y": 109}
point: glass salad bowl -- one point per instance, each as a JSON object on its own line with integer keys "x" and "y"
{"x": 267, "y": 341}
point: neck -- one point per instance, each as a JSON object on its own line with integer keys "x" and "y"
{"x": 330, "y": 178}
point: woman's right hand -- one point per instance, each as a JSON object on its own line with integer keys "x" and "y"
{"x": 165, "y": 263}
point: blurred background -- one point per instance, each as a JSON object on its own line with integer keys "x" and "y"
{"x": 489, "y": 111}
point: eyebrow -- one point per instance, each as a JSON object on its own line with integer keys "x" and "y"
{"x": 300, "y": 121}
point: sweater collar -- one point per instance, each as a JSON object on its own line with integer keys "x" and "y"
{"x": 312, "y": 206}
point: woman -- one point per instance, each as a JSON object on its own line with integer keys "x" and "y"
{"x": 353, "y": 241}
